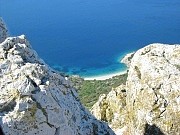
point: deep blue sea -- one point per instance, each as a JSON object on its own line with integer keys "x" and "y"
{"x": 88, "y": 37}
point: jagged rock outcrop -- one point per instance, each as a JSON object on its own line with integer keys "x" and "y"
{"x": 3, "y": 31}
{"x": 152, "y": 93}
{"x": 109, "y": 106}
{"x": 36, "y": 100}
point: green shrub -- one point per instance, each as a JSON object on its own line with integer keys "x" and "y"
{"x": 90, "y": 90}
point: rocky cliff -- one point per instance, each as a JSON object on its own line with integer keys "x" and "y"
{"x": 3, "y": 31}
{"x": 36, "y": 100}
{"x": 149, "y": 103}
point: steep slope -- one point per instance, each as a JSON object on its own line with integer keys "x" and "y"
{"x": 112, "y": 108}
{"x": 3, "y": 31}
{"x": 36, "y": 100}
{"x": 150, "y": 101}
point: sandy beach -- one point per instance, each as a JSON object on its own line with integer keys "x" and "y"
{"x": 104, "y": 77}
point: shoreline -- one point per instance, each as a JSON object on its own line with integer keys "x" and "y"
{"x": 105, "y": 76}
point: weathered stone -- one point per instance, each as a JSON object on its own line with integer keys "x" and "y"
{"x": 3, "y": 31}
{"x": 154, "y": 89}
{"x": 110, "y": 107}
{"x": 152, "y": 99}
{"x": 34, "y": 99}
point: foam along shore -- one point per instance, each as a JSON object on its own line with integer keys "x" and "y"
{"x": 106, "y": 76}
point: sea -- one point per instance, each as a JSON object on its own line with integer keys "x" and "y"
{"x": 90, "y": 37}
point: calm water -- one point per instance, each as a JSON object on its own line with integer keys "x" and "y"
{"x": 87, "y": 37}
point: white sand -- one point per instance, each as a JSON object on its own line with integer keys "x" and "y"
{"x": 104, "y": 77}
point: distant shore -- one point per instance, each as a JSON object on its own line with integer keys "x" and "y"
{"x": 106, "y": 76}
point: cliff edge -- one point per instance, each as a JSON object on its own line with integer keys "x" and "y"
{"x": 3, "y": 31}
{"x": 149, "y": 103}
{"x": 36, "y": 100}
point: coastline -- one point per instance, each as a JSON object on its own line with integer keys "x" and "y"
{"x": 109, "y": 75}
{"x": 105, "y": 76}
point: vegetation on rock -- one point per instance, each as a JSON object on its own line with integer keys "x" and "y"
{"x": 90, "y": 90}
{"x": 149, "y": 102}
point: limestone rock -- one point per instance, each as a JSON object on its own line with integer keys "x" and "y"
{"x": 36, "y": 100}
{"x": 152, "y": 93}
{"x": 110, "y": 107}
{"x": 154, "y": 89}
{"x": 3, "y": 31}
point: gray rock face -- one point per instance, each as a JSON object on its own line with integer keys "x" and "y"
{"x": 36, "y": 100}
{"x": 152, "y": 93}
{"x": 111, "y": 108}
{"x": 3, "y": 31}
{"x": 153, "y": 83}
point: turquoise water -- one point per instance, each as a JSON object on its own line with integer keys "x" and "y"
{"x": 87, "y": 37}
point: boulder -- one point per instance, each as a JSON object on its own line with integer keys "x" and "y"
{"x": 153, "y": 94}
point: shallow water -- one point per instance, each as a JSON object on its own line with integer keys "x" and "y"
{"x": 87, "y": 37}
